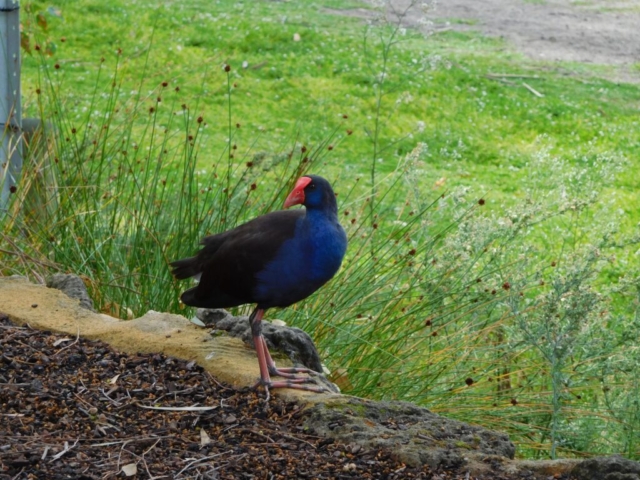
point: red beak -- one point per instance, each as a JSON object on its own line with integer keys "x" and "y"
{"x": 296, "y": 197}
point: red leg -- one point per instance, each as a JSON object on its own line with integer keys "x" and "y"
{"x": 256, "y": 330}
{"x": 286, "y": 372}
{"x": 267, "y": 365}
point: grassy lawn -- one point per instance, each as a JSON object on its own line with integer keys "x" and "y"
{"x": 490, "y": 200}
{"x": 481, "y": 129}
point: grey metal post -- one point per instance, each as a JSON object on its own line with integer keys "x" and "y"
{"x": 10, "y": 110}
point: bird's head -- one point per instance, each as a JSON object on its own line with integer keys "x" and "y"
{"x": 312, "y": 191}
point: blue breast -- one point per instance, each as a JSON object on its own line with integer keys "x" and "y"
{"x": 303, "y": 263}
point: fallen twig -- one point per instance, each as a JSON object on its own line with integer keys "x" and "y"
{"x": 532, "y": 90}
{"x": 291, "y": 437}
{"x": 511, "y": 75}
{"x": 146, "y": 467}
{"x": 67, "y": 448}
{"x": 129, "y": 440}
{"x": 505, "y": 81}
{"x": 179, "y": 409}
{"x": 266, "y": 437}
{"x": 106, "y": 395}
{"x": 200, "y": 460}
{"x": 70, "y": 345}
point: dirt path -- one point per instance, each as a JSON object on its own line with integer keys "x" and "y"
{"x": 603, "y": 32}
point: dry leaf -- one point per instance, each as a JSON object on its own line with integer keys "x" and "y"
{"x": 204, "y": 438}
{"x": 42, "y": 21}
{"x": 113, "y": 380}
{"x": 198, "y": 322}
{"x": 130, "y": 469}
{"x": 340, "y": 377}
{"x": 25, "y": 42}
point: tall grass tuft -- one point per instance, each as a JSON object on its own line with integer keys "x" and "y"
{"x": 497, "y": 315}
{"x": 117, "y": 189}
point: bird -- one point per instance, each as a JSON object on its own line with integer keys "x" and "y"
{"x": 274, "y": 260}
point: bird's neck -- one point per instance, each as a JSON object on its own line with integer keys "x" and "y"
{"x": 327, "y": 213}
{"x": 323, "y": 243}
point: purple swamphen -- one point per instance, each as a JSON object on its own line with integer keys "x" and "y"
{"x": 274, "y": 260}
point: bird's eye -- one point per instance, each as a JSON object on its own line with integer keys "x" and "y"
{"x": 311, "y": 186}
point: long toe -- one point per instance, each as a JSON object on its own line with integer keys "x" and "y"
{"x": 298, "y": 383}
{"x": 286, "y": 371}
{"x": 299, "y": 386}
{"x": 291, "y": 373}
{"x": 289, "y": 378}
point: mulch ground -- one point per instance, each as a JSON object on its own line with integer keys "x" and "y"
{"x": 77, "y": 409}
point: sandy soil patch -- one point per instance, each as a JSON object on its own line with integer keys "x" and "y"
{"x": 588, "y": 31}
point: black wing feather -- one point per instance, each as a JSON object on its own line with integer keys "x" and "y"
{"x": 229, "y": 261}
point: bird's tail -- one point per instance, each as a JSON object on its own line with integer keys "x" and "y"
{"x": 190, "y": 297}
{"x": 185, "y": 268}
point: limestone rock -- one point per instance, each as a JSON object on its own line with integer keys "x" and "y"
{"x": 293, "y": 342}
{"x": 416, "y": 435}
{"x": 607, "y": 468}
{"x": 73, "y": 286}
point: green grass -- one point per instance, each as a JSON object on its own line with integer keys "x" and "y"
{"x": 480, "y": 131}
{"x": 518, "y": 312}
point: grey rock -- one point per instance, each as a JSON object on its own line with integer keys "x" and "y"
{"x": 73, "y": 286}
{"x": 415, "y": 435}
{"x": 212, "y": 316}
{"x": 18, "y": 278}
{"x": 293, "y": 342}
{"x": 607, "y": 468}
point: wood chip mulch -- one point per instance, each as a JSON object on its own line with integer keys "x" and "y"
{"x": 72, "y": 408}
